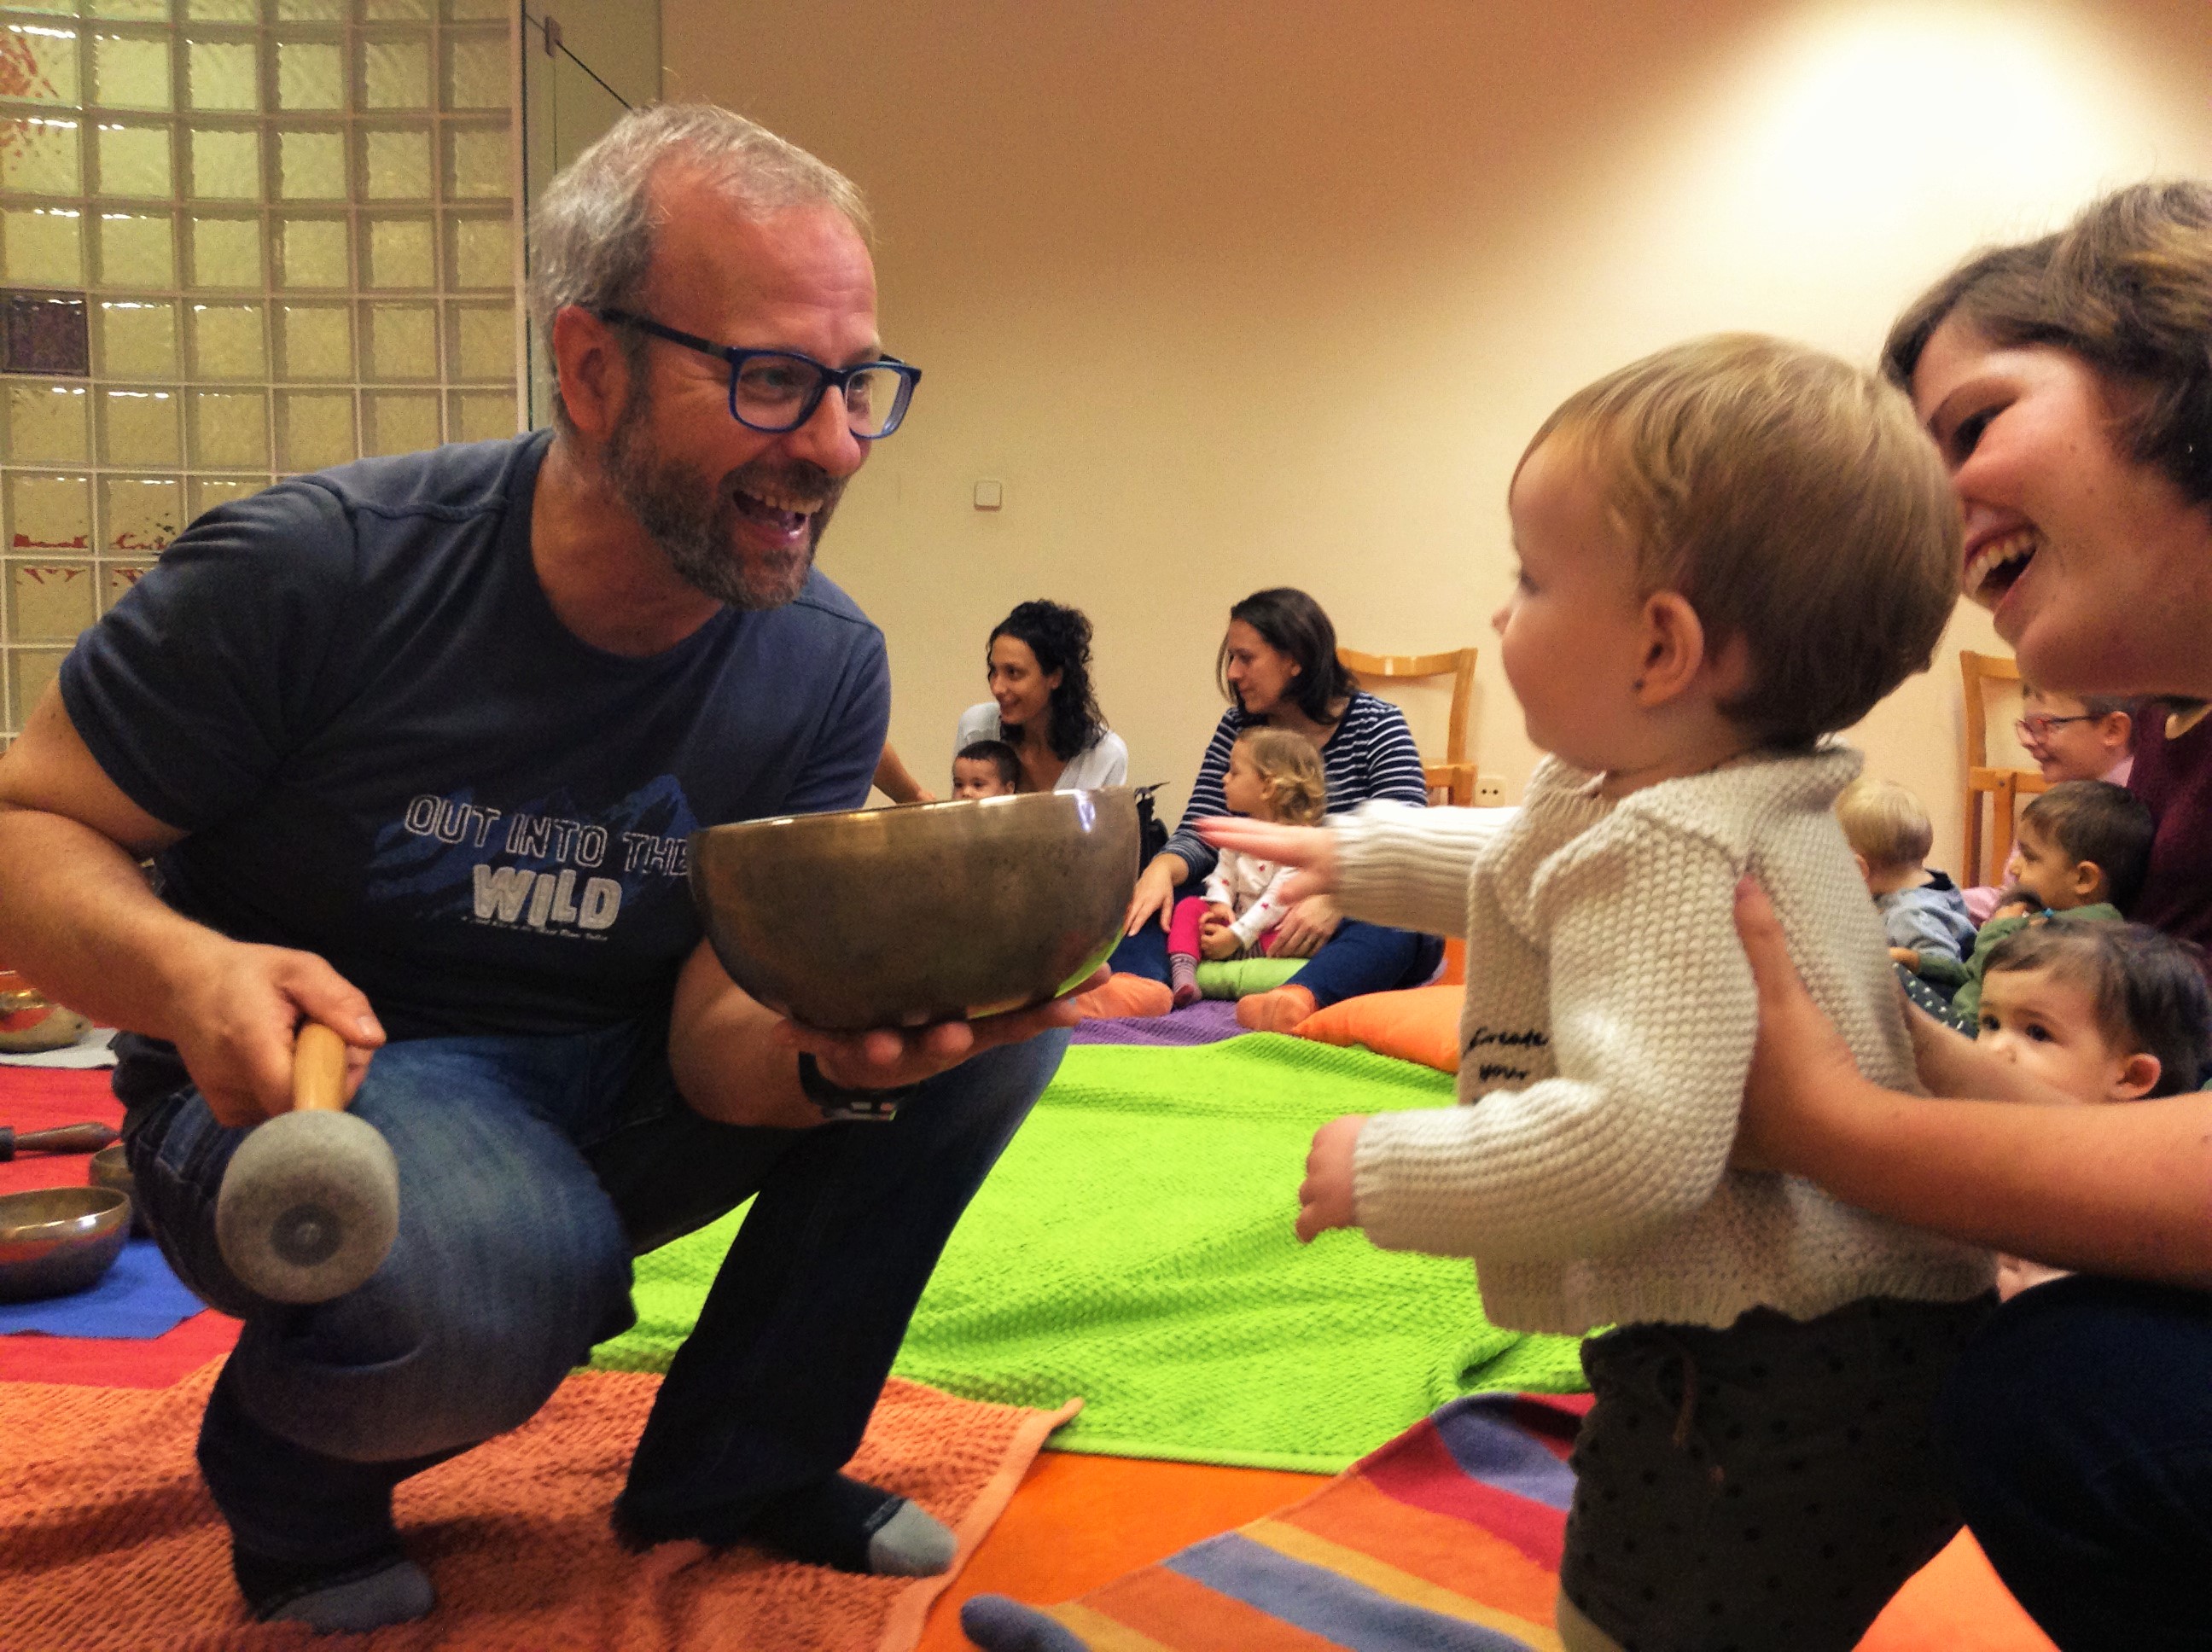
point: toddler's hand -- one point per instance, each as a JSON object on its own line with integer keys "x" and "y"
{"x": 1216, "y": 939}
{"x": 1311, "y": 848}
{"x": 1905, "y": 955}
{"x": 1325, "y": 1196}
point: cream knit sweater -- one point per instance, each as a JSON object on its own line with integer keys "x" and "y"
{"x": 1603, "y": 1046}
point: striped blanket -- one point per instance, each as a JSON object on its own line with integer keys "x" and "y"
{"x": 1446, "y": 1539}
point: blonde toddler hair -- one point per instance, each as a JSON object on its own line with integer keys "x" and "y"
{"x": 1795, "y": 503}
{"x": 1884, "y": 823}
{"x": 1289, "y": 769}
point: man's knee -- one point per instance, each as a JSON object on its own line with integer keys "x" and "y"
{"x": 464, "y": 1333}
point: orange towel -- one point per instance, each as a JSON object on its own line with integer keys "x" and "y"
{"x": 108, "y": 1539}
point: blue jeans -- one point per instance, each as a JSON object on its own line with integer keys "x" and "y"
{"x": 2078, "y": 1426}
{"x": 530, "y": 1170}
{"x": 1359, "y": 958}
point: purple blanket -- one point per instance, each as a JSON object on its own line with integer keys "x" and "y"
{"x": 1207, "y": 1021}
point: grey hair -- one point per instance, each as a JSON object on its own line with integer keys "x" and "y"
{"x": 595, "y": 232}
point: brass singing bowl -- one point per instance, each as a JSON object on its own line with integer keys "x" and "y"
{"x": 926, "y": 911}
{"x": 56, "y": 1240}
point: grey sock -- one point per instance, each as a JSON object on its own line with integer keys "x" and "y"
{"x": 400, "y": 1594}
{"x": 912, "y": 1543}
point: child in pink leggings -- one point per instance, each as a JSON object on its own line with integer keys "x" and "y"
{"x": 1274, "y": 775}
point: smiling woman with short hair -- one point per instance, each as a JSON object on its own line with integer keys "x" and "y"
{"x": 2068, "y": 383}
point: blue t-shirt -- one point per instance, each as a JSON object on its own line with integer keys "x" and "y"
{"x": 351, "y": 693}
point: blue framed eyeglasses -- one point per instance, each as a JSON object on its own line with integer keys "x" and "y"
{"x": 775, "y": 391}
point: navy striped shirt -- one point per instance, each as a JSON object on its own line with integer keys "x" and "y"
{"x": 1370, "y": 755}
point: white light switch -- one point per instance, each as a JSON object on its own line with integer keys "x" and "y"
{"x": 990, "y": 495}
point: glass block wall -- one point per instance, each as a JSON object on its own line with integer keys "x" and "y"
{"x": 292, "y": 228}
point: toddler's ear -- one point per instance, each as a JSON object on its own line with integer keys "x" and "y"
{"x": 2139, "y": 1076}
{"x": 1675, "y": 648}
{"x": 2089, "y": 885}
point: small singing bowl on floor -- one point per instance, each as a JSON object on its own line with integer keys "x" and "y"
{"x": 926, "y": 911}
{"x": 56, "y": 1240}
{"x": 110, "y": 1169}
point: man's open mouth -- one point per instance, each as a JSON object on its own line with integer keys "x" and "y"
{"x": 1996, "y": 567}
{"x": 784, "y": 512}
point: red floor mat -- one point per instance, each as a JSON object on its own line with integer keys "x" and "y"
{"x": 38, "y": 1098}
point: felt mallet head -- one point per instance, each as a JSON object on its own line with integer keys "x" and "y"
{"x": 310, "y": 1203}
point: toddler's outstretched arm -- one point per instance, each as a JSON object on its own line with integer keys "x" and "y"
{"x": 1608, "y": 1105}
{"x": 1310, "y": 848}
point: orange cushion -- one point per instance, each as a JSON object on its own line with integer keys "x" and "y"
{"x": 1415, "y": 1023}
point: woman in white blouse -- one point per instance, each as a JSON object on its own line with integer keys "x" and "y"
{"x": 1038, "y": 666}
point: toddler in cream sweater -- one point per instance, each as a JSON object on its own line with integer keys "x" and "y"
{"x": 1728, "y": 552}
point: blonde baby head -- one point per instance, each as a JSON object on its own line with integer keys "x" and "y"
{"x": 1275, "y": 774}
{"x": 1736, "y": 543}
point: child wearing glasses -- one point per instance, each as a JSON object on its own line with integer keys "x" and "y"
{"x": 2077, "y": 736}
{"x": 2082, "y": 846}
{"x": 1728, "y": 552}
{"x": 2104, "y": 1013}
{"x": 2071, "y": 738}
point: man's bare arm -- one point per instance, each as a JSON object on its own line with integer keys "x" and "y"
{"x": 737, "y": 1061}
{"x": 76, "y": 917}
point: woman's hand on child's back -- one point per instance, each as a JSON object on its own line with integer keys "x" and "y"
{"x": 1800, "y": 1063}
{"x": 1310, "y": 848}
{"x": 1325, "y": 1196}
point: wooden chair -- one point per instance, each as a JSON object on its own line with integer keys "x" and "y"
{"x": 1455, "y": 776}
{"x": 2004, "y": 787}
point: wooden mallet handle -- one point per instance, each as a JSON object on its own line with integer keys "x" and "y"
{"x": 318, "y": 1070}
{"x": 63, "y": 1138}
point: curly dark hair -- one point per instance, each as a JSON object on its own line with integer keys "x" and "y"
{"x": 1060, "y": 637}
{"x": 2126, "y": 287}
{"x": 1294, "y": 623}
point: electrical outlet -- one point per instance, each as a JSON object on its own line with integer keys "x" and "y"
{"x": 1489, "y": 791}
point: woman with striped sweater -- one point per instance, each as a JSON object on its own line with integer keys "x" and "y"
{"x": 1279, "y": 668}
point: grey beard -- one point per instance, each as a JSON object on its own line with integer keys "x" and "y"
{"x": 694, "y": 523}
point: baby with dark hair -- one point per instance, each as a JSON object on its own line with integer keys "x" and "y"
{"x": 2106, "y": 1012}
{"x": 985, "y": 768}
{"x": 2082, "y": 849}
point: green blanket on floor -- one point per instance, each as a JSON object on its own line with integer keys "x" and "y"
{"x": 1134, "y": 1247}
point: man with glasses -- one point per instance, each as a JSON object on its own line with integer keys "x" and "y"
{"x": 415, "y": 746}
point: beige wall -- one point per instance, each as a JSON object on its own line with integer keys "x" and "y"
{"x": 1272, "y": 291}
